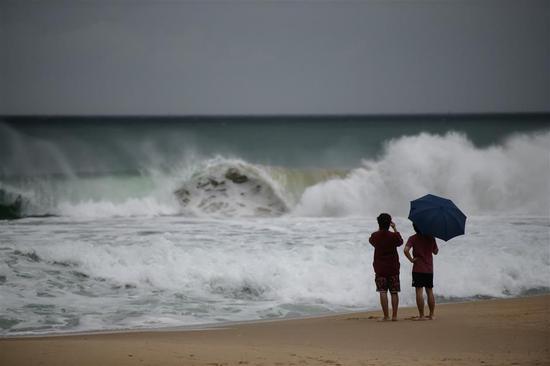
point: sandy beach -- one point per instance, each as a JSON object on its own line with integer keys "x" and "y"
{"x": 492, "y": 332}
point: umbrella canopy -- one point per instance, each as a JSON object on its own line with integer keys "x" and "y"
{"x": 437, "y": 216}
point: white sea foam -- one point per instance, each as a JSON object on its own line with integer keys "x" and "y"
{"x": 163, "y": 271}
{"x": 123, "y": 254}
{"x": 513, "y": 177}
{"x": 509, "y": 178}
{"x": 148, "y": 206}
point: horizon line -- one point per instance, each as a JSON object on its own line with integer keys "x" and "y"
{"x": 275, "y": 116}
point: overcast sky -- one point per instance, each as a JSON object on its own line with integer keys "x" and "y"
{"x": 273, "y": 57}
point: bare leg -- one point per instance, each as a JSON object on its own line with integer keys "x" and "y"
{"x": 431, "y": 302}
{"x": 394, "y": 305}
{"x": 420, "y": 301}
{"x": 384, "y": 303}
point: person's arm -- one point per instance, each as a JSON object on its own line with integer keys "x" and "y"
{"x": 407, "y": 252}
{"x": 399, "y": 238}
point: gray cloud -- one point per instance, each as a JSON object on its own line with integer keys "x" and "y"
{"x": 257, "y": 57}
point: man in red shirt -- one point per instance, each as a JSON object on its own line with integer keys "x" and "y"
{"x": 386, "y": 263}
{"x": 424, "y": 247}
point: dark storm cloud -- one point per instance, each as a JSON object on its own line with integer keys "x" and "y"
{"x": 257, "y": 57}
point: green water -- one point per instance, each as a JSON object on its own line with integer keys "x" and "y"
{"x": 115, "y": 145}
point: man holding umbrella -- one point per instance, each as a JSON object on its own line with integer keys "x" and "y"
{"x": 386, "y": 263}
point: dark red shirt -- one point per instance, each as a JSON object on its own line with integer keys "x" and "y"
{"x": 423, "y": 248}
{"x": 386, "y": 258}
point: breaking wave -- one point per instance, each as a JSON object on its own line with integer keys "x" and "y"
{"x": 166, "y": 262}
{"x": 512, "y": 177}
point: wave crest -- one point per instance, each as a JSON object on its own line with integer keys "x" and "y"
{"x": 510, "y": 178}
{"x": 513, "y": 177}
{"x": 232, "y": 188}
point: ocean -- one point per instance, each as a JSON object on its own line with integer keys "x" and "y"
{"x": 150, "y": 222}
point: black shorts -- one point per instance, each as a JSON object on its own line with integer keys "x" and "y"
{"x": 423, "y": 280}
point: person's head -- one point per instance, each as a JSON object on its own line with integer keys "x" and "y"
{"x": 417, "y": 230}
{"x": 384, "y": 221}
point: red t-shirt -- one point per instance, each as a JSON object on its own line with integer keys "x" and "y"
{"x": 386, "y": 259}
{"x": 423, "y": 248}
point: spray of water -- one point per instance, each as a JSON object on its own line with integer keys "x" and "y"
{"x": 510, "y": 178}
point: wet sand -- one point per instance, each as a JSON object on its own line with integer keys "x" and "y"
{"x": 491, "y": 332}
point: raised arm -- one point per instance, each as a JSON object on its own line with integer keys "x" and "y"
{"x": 399, "y": 238}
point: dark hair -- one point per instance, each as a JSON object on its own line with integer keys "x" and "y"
{"x": 384, "y": 221}
{"x": 419, "y": 232}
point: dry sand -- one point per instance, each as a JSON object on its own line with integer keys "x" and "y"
{"x": 493, "y": 332}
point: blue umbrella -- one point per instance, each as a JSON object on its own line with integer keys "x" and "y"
{"x": 437, "y": 216}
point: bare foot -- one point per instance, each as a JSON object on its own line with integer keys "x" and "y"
{"x": 393, "y": 319}
{"x": 420, "y": 318}
{"x": 385, "y": 319}
{"x": 430, "y": 317}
